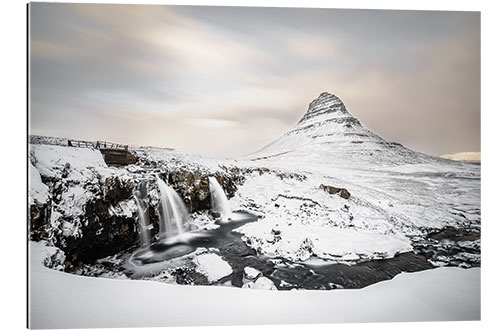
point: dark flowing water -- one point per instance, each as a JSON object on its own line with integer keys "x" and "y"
{"x": 288, "y": 275}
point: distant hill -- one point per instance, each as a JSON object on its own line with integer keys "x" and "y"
{"x": 468, "y": 157}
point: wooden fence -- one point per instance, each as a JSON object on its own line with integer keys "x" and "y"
{"x": 97, "y": 145}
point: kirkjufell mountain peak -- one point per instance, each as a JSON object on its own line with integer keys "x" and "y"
{"x": 330, "y": 108}
{"x": 325, "y": 103}
{"x": 328, "y": 134}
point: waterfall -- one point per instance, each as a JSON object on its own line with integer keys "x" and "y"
{"x": 220, "y": 204}
{"x": 140, "y": 196}
{"x": 173, "y": 212}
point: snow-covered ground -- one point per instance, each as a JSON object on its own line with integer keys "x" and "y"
{"x": 388, "y": 206}
{"x": 61, "y": 300}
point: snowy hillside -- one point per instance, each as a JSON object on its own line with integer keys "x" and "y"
{"x": 469, "y": 157}
{"x": 397, "y": 195}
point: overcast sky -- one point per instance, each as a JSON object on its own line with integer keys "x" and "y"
{"x": 225, "y": 81}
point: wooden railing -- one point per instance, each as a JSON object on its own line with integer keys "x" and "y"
{"x": 97, "y": 145}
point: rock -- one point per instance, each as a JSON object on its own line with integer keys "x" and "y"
{"x": 39, "y": 222}
{"x": 251, "y": 273}
{"x": 98, "y": 233}
{"x": 212, "y": 266}
{"x": 305, "y": 249}
{"x": 85, "y": 208}
{"x": 66, "y": 170}
{"x": 118, "y": 156}
{"x": 276, "y": 235}
{"x": 89, "y": 217}
{"x": 194, "y": 189}
{"x": 86, "y": 225}
{"x": 262, "y": 283}
{"x": 116, "y": 190}
{"x": 189, "y": 275}
{"x": 334, "y": 190}
{"x": 56, "y": 260}
{"x": 215, "y": 215}
{"x": 90, "y": 221}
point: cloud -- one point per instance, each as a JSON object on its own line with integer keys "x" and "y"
{"x": 226, "y": 81}
{"x": 313, "y": 47}
{"x": 210, "y": 123}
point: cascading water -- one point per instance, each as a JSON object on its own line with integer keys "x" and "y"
{"x": 173, "y": 242}
{"x": 220, "y": 204}
{"x": 140, "y": 196}
{"x": 173, "y": 212}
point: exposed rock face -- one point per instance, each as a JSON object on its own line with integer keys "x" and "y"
{"x": 105, "y": 223}
{"x": 103, "y": 234}
{"x": 39, "y": 218}
{"x": 39, "y": 204}
{"x": 116, "y": 190}
{"x": 86, "y": 208}
{"x": 330, "y": 108}
{"x": 334, "y": 190}
{"x": 194, "y": 188}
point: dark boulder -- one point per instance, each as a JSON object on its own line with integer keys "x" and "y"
{"x": 334, "y": 190}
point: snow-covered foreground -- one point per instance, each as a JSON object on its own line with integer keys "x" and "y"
{"x": 60, "y": 300}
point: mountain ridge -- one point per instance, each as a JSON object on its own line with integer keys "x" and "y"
{"x": 328, "y": 130}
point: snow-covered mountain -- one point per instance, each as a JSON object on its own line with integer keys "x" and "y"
{"x": 329, "y": 134}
